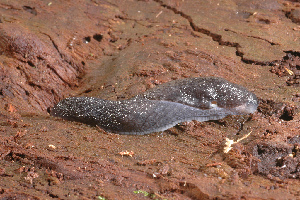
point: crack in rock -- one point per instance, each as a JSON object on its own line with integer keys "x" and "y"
{"x": 216, "y": 37}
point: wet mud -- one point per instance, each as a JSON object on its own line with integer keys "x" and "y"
{"x": 118, "y": 49}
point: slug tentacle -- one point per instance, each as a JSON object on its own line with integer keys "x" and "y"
{"x": 160, "y": 108}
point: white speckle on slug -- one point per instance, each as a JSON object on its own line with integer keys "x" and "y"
{"x": 162, "y": 107}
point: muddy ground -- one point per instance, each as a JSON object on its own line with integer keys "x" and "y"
{"x": 115, "y": 50}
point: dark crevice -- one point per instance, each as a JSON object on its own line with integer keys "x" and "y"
{"x": 52, "y": 195}
{"x": 215, "y": 37}
{"x": 254, "y": 62}
{"x": 271, "y": 43}
{"x": 56, "y": 47}
{"x": 288, "y": 113}
{"x": 279, "y": 162}
{"x": 87, "y": 39}
{"x": 279, "y": 110}
{"x": 31, "y": 10}
{"x": 61, "y": 56}
{"x": 98, "y": 37}
{"x": 31, "y": 64}
{"x": 256, "y": 37}
{"x": 292, "y": 15}
{"x": 54, "y": 44}
{"x": 264, "y": 21}
{"x": 261, "y": 150}
{"x": 295, "y": 150}
{"x": 290, "y": 54}
{"x": 288, "y": 66}
{"x": 32, "y": 84}
{"x": 87, "y": 90}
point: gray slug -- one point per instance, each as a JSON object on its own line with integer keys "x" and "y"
{"x": 162, "y": 107}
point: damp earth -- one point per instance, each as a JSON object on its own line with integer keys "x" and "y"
{"x": 115, "y": 50}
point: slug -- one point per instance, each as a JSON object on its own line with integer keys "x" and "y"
{"x": 160, "y": 108}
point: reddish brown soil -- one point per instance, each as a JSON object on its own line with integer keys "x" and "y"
{"x": 118, "y": 49}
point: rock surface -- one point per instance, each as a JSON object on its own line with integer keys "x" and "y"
{"x": 118, "y": 49}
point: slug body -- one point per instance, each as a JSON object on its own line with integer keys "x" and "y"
{"x": 162, "y": 107}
